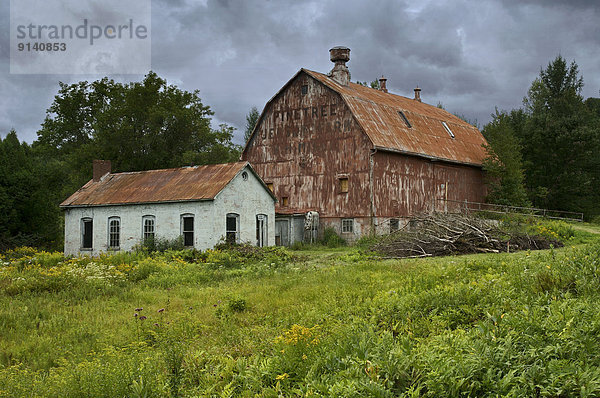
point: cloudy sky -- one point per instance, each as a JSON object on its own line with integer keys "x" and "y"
{"x": 471, "y": 55}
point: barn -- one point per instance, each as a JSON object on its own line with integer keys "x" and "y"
{"x": 202, "y": 204}
{"x": 364, "y": 159}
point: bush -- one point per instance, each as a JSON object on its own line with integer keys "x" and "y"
{"x": 554, "y": 230}
{"x": 367, "y": 241}
{"x": 332, "y": 239}
{"x": 161, "y": 245}
{"x": 19, "y": 253}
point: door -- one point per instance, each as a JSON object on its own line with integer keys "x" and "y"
{"x": 261, "y": 230}
{"x": 282, "y": 228}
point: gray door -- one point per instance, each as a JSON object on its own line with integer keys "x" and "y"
{"x": 282, "y": 228}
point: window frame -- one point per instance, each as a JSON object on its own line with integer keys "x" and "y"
{"x": 343, "y": 184}
{"x": 236, "y": 232}
{"x": 304, "y": 89}
{"x": 82, "y": 223}
{"x": 145, "y": 234}
{"x": 405, "y": 119}
{"x": 184, "y": 232}
{"x": 345, "y": 229}
{"x": 111, "y": 233}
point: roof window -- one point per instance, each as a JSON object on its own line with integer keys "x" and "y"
{"x": 403, "y": 116}
{"x": 448, "y": 129}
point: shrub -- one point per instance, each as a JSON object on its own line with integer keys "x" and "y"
{"x": 237, "y": 304}
{"x": 367, "y": 241}
{"x": 332, "y": 239}
{"x": 161, "y": 245}
{"x": 19, "y": 253}
{"x": 554, "y": 230}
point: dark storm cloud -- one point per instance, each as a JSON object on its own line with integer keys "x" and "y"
{"x": 471, "y": 56}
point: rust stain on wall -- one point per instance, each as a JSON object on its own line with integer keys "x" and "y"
{"x": 304, "y": 143}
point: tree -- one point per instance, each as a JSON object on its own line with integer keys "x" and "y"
{"x": 138, "y": 126}
{"x": 503, "y": 165}
{"x": 561, "y": 141}
{"x": 27, "y": 216}
{"x": 374, "y": 84}
{"x": 251, "y": 120}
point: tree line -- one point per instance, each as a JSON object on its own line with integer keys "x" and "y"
{"x": 547, "y": 153}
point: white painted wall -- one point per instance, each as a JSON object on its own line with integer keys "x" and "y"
{"x": 244, "y": 197}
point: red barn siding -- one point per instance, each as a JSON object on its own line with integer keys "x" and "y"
{"x": 304, "y": 143}
{"x": 406, "y": 185}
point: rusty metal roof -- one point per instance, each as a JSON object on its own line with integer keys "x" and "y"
{"x": 154, "y": 186}
{"x": 377, "y": 113}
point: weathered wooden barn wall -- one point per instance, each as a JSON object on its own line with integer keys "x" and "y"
{"x": 407, "y": 185}
{"x": 396, "y": 155}
{"x": 304, "y": 144}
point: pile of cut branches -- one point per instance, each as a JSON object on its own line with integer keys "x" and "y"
{"x": 442, "y": 234}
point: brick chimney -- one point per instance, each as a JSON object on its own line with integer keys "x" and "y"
{"x": 340, "y": 73}
{"x": 382, "y": 86}
{"x": 101, "y": 168}
{"x": 418, "y": 94}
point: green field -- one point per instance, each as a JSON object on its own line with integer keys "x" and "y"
{"x": 313, "y": 322}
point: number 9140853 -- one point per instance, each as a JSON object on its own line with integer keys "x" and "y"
{"x": 42, "y": 46}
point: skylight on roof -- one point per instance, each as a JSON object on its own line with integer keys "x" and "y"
{"x": 403, "y": 116}
{"x": 448, "y": 129}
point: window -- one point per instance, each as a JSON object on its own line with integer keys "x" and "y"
{"x": 403, "y": 116}
{"x": 304, "y": 89}
{"x": 114, "y": 232}
{"x": 245, "y": 176}
{"x": 270, "y": 186}
{"x": 284, "y": 201}
{"x": 87, "y": 231}
{"x": 187, "y": 230}
{"x": 261, "y": 230}
{"x": 148, "y": 223}
{"x": 448, "y": 129}
{"x": 343, "y": 184}
{"x": 347, "y": 225}
{"x": 394, "y": 225}
{"x": 232, "y": 228}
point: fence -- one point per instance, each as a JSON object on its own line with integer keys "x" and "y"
{"x": 466, "y": 206}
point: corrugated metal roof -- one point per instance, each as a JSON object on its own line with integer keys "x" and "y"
{"x": 152, "y": 186}
{"x": 377, "y": 113}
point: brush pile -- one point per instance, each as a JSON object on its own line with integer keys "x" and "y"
{"x": 442, "y": 234}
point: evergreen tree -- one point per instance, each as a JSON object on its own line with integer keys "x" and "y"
{"x": 561, "y": 142}
{"x": 251, "y": 120}
{"x": 503, "y": 165}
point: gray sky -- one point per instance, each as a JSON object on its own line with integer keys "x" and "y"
{"x": 472, "y": 56}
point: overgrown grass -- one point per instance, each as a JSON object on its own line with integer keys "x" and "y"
{"x": 331, "y": 322}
